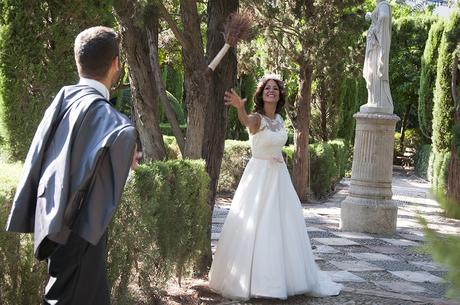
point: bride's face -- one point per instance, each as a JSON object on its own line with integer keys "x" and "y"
{"x": 271, "y": 92}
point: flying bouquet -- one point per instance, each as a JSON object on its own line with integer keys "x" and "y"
{"x": 235, "y": 29}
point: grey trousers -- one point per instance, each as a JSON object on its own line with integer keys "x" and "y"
{"x": 77, "y": 274}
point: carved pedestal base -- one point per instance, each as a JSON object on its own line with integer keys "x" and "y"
{"x": 368, "y": 207}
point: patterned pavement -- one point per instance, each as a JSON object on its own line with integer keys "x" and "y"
{"x": 375, "y": 269}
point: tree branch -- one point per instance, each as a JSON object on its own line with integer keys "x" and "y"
{"x": 170, "y": 115}
{"x": 288, "y": 51}
{"x": 173, "y": 25}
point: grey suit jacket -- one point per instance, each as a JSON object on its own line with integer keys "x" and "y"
{"x": 75, "y": 170}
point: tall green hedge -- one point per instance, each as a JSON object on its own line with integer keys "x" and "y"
{"x": 160, "y": 228}
{"x": 36, "y": 59}
{"x": 22, "y": 278}
{"x": 352, "y": 95}
{"x": 443, "y": 109}
{"x": 422, "y": 160}
{"x": 440, "y": 171}
{"x": 428, "y": 78}
{"x": 407, "y": 46}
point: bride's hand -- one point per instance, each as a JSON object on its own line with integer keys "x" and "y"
{"x": 232, "y": 98}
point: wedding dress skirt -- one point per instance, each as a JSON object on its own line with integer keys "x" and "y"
{"x": 264, "y": 249}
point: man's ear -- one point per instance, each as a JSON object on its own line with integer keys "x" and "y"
{"x": 116, "y": 63}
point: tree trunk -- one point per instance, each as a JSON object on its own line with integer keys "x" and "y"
{"x": 196, "y": 82}
{"x": 222, "y": 79}
{"x": 323, "y": 112}
{"x": 453, "y": 179}
{"x": 145, "y": 102}
{"x": 157, "y": 79}
{"x": 301, "y": 166}
{"x": 403, "y": 128}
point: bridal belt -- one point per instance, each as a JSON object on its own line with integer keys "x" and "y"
{"x": 272, "y": 160}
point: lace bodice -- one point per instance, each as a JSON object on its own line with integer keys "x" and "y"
{"x": 270, "y": 138}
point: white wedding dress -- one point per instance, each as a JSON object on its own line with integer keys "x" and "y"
{"x": 264, "y": 249}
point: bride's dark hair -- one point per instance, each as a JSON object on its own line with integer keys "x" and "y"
{"x": 258, "y": 99}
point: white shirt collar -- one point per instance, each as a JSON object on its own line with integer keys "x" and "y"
{"x": 100, "y": 87}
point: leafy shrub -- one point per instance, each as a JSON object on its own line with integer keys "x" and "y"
{"x": 160, "y": 229}
{"x": 444, "y": 249}
{"x": 440, "y": 171}
{"x": 342, "y": 157}
{"x": 22, "y": 277}
{"x": 323, "y": 169}
{"x": 172, "y": 149}
{"x": 236, "y": 156}
{"x": 422, "y": 161}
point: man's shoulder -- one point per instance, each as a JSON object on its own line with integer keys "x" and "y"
{"x": 86, "y": 99}
{"x": 80, "y": 91}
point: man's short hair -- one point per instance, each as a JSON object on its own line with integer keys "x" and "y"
{"x": 94, "y": 49}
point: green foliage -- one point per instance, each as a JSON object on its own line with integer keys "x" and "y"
{"x": 160, "y": 228}
{"x": 36, "y": 59}
{"x": 440, "y": 171}
{"x": 172, "y": 149}
{"x": 323, "y": 169}
{"x": 177, "y": 108}
{"x": 443, "y": 109}
{"x": 342, "y": 154}
{"x": 353, "y": 93}
{"x": 445, "y": 249}
{"x": 247, "y": 87}
{"x": 173, "y": 77}
{"x": 167, "y": 130}
{"x": 407, "y": 46}
{"x": 159, "y": 231}
{"x": 22, "y": 277}
{"x": 413, "y": 139}
{"x": 428, "y": 78}
{"x": 450, "y": 207}
{"x": 236, "y": 156}
{"x": 422, "y": 160}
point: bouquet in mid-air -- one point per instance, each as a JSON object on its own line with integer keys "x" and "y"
{"x": 236, "y": 28}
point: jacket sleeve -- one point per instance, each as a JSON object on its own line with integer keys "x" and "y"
{"x": 22, "y": 215}
{"x": 107, "y": 185}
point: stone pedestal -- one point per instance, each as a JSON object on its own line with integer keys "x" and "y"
{"x": 369, "y": 207}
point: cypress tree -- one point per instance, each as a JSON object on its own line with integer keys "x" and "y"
{"x": 443, "y": 108}
{"x": 428, "y": 78}
{"x": 36, "y": 59}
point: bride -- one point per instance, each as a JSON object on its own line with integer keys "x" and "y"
{"x": 264, "y": 250}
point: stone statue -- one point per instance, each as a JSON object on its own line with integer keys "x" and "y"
{"x": 376, "y": 60}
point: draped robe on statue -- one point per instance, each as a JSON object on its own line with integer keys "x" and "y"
{"x": 376, "y": 61}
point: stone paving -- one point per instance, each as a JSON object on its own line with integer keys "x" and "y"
{"x": 375, "y": 269}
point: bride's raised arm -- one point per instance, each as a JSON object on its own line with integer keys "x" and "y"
{"x": 251, "y": 121}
